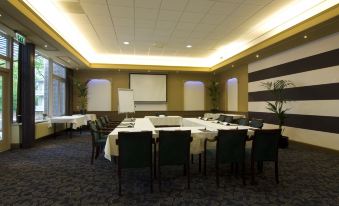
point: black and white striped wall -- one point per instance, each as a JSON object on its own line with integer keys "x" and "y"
{"x": 314, "y": 112}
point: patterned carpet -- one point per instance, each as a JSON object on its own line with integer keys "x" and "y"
{"x": 58, "y": 172}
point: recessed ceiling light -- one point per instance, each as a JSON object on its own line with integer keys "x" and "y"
{"x": 0, "y": 15}
{"x": 305, "y": 37}
{"x": 45, "y": 45}
{"x": 257, "y": 56}
{"x": 232, "y": 65}
{"x": 189, "y": 46}
{"x": 126, "y": 42}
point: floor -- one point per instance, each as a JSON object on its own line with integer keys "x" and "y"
{"x": 58, "y": 172}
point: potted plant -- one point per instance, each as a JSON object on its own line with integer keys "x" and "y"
{"x": 278, "y": 105}
{"x": 214, "y": 93}
{"x": 82, "y": 94}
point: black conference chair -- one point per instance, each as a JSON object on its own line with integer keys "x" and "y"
{"x": 135, "y": 151}
{"x": 265, "y": 148}
{"x": 256, "y": 123}
{"x": 98, "y": 141}
{"x": 111, "y": 122}
{"x": 243, "y": 122}
{"x": 228, "y": 119}
{"x": 106, "y": 124}
{"x": 221, "y": 118}
{"x": 230, "y": 149}
{"x": 174, "y": 149}
{"x": 102, "y": 128}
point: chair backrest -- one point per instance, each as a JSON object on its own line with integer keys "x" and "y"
{"x": 231, "y": 145}
{"x": 135, "y": 149}
{"x": 243, "y": 122}
{"x": 257, "y": 123}
{"x": 94, "y": 131}
{"x": 228, "y": 119}
{"x": 99, "y": 123}
{"x": 106, "y": 118}
{"x": 103, "y": 120}
{"x": 174, "y": 147}
{"x": 221, "y": 118}
{"x": 265, "y": 144}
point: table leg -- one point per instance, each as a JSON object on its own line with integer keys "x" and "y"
{"x": 54, "y": 127}
{"x": 71, "y": 130}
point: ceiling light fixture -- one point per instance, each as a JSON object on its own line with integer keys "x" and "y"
{"x": 45, "y": 45}
{"x": 0, "y": 15}
{"x": 189, "y": 46}
{"x": 126, "y": 42}
{"x": 305, "y": 37}
{"x": 257, "y": 56}
{"x": 232, "y": 65}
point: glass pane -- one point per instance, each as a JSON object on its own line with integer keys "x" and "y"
{"x": 59, "y": 70}
{"x": 3, "y": 45}
{"x": 62, "y": 98}
{"x": 15, "y": 79}
{"x": 1, "y": 103}
{"x": 56, "y": 111}
{"x": 41, "y": 86}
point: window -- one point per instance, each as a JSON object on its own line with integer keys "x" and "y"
{"x": 194, "y": 96}
{"x": 41, "y": 86}
{"x": 59, "y": 90}
{"x": 4, "y": 52}
{"x": 15, "y": 76}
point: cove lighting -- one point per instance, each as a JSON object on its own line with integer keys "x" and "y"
{"x": 286, "y": 16}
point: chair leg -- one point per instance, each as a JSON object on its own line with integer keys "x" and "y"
{"x": 92, "y": 158}
{"x": 97, "y": 151}
{"x": 192, "y": 158}
{"x": 276, "y": 172}
{"x": 217, "y": 173}
{"x": 159, "y": 177}
{"x": 205, "y": 162}
{"x": 188, "y": 177}
{"x": 243, "y": 173}
{"x": 185, "y": 170}
{"x": 252, "y": 172}
{"x": 200, "y": 163}
{"x": 119, "y": 179}
{"x": 155, "y": 161}
{"x": 151, "y": 180}
{"x": 260, "y": 166}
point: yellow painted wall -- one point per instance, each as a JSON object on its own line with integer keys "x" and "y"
{"x": 241, "y": 73}
{"x": 175, "y": 86}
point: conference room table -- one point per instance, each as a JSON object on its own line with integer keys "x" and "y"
{"x": 74, "y": 121}
{"x": 200, "y": 130}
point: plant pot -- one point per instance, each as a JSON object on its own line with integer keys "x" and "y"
{"x": 214, "y": 110}
{"x": 83, "y": 111}
{"x": 283, "y": 142}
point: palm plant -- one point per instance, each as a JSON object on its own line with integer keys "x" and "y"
{"x": 82, "y": 94}
{"x": 277, "y": 89}
{"x": 214, "y": 92}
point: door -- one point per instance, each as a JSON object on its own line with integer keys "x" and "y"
{"x": 4, "y": 111}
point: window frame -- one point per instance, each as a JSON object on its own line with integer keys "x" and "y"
{"x": 59, "y": 79}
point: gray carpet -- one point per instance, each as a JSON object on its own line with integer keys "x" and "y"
{"x": 58, "y": 172}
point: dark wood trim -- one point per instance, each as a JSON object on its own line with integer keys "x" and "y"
{"x": 311, "y": 122}
{"x": 314, "y": 92}
{"x": 318, "y": 61}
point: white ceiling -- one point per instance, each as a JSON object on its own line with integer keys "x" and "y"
{"x": 163, "y": 28}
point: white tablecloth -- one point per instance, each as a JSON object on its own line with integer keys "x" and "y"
{"x": 197, "y": 127}
{"x": 76, "y": 121}
{"x": 166, "y": 120}
{"x": 88, "y": 117}
{"x": 214, "y": 116}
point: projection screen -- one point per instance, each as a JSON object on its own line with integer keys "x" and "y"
{"x": 149, "y": 87}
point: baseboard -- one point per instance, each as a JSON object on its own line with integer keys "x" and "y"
{"x": 315, "y": 147}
